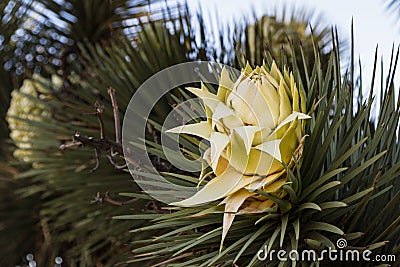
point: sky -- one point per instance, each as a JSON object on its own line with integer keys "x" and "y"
{"x": 373, "y": 23}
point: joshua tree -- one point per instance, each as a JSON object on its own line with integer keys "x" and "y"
{"x": 341, "y": 181}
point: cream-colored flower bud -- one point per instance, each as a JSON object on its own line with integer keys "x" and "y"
{"x": 253, "y": 126}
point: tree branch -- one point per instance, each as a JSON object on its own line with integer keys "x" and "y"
{"x": 100, "y": 199}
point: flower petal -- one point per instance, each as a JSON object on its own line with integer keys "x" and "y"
{"x": 218, "y": 143}
{"x": 275, "y": 72}
{"x": 217, "y": 188}
{"x": 261, "y": 136}
{"x": 201, "y": 129}
{"x": 209, "y": 99}
{"x": 265, "y": 182}
{"x": 295, "y": 115}
{"x": 232, "y": 205}
{"x": 275, "y": 186}
{"x": 272, "y": 98}
{"x": 225, "y": 115}
{"x": 237, "y": 153}
{"x": 250, "y": 105}
{"x": 272, "y": 148}
{"x": 225, "y": 85}
{"x": 257, "y": 207}
{"x": 289, "y": 142}
{"x": 202, "y": 92}
{"x": 247, "y": 134}
{"x": 261, "y": 163}
{"x": 285, "y": 106}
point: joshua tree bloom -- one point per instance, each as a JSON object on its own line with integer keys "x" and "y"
{"x": 25, "y": 106}
{"x": 254, "y": 126}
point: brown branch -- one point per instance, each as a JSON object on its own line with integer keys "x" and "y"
{"x": 116, "y": 165}
{"x": 102, "y": 144}
{"x": 99, "y": 111}
{"x": 111, "y": 92}
{"x": 100, "y": 199}
{"x": 70, "y": 146}
{"x": 97, "y": 157}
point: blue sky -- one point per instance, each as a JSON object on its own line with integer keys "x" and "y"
{"x": 373, "y": 24}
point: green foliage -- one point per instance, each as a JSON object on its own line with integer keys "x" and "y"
{"x": 97, "y": 54}
{"x": 346, "y": 180}
{"x": 39, "y": 35}
{"x": 49, "y": 206}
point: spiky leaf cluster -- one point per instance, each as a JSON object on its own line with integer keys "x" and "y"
{"x": 347, "y": 186}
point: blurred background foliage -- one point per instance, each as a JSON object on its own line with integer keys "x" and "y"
{"x": 58, "y": 58}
